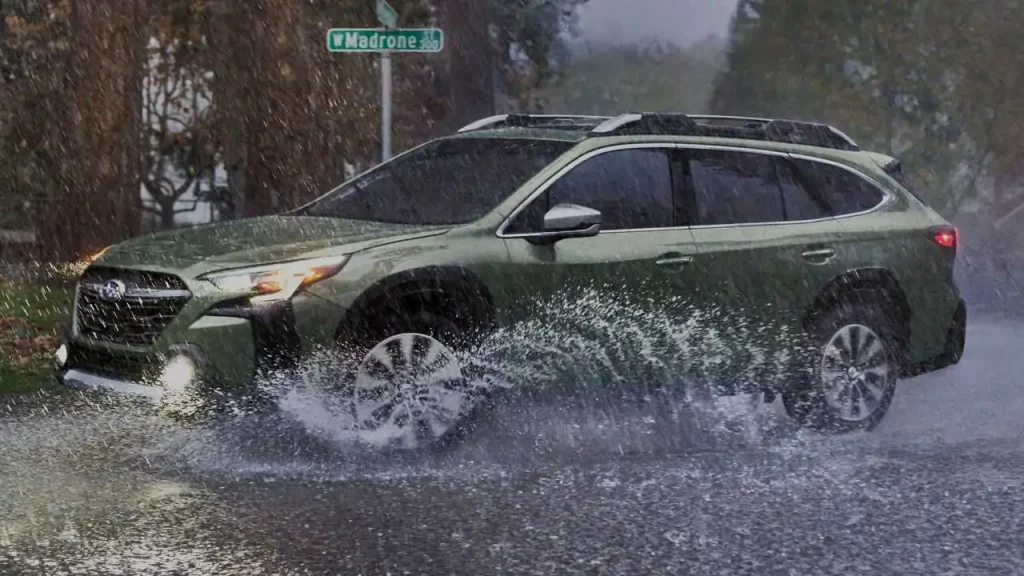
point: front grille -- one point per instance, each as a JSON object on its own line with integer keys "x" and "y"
{"x": 126, "y": 306}
{"x": 121, "y": 366}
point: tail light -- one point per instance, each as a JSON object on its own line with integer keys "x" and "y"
{"x": 945, "y": 236}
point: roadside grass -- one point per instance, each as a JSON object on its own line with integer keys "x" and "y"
{"x": 31, "y": 318}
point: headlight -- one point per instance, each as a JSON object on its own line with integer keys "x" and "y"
{"x": 276, "y": 282}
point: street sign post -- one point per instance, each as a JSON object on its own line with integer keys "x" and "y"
{"x": 385, "y": 106}
{"x": 385, "y": 41}
{"x": 386, "y": 15}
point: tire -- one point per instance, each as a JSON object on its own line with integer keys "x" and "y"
{"x": 851, "y": 379}
{"x": 404, "y": 383}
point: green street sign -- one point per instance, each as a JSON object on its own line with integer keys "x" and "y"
{"x": 377, "y": 40}
{"x": 386, "y": 15}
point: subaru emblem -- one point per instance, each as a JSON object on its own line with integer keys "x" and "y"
{"x": 113, "y": 290}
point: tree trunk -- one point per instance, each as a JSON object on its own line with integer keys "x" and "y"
{"x": 167, "y": 214}
{"x": 97, "y": 200}
{"x": 470, "y": 67}
{"x": 230, "y": 45}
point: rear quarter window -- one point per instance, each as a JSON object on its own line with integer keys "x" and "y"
{"x": 842, "y": 190}
{"x": 896, "y": 172}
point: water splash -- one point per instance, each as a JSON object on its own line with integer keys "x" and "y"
{"x": 591, "y": 348}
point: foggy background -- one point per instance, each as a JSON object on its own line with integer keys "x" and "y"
{"x": 633, "y": 21}
{"x": 175, "y": 113}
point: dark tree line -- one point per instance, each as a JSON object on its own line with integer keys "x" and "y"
{"x": 937, "y": 83}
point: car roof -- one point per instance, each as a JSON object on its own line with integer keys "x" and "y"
{"x": 585, "y": 141}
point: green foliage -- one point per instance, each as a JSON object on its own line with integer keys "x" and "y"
{"x": 45, "y": 307}
{"x": 30, "y": 319}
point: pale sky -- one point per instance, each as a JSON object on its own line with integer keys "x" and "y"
{"x": 681, "y": 21}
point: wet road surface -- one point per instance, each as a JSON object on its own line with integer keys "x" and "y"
{"x": 938, "y": 488}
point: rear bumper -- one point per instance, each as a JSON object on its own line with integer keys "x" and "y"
{"x": 953, "y": 350}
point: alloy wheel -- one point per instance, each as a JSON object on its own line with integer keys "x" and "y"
{"x": 856, "y": 372}
{"x": 409, "y": 390}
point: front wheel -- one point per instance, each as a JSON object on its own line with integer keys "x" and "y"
{"x": 854, "y": 377}
{"x": 407, "y": 389}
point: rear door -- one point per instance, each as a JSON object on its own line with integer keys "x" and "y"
{"x": 885, "y": 231}
{"x": 766, "y": 244}
{"x": 635, "y": 265}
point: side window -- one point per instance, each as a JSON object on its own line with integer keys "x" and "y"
{"x": 734, "y": 187}
{"x": 844, "y": 191}
{"x": 631, "y": 189}
{"x": 798, "y": 202}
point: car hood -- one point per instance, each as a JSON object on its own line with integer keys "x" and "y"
{"x": 256, "y": 241}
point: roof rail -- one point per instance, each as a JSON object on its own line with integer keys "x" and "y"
{"x": 765, "y": 122}
{"x": 740, "y": 127}
{"x": 727, "y": 120}
{"x": 557, "y": 121}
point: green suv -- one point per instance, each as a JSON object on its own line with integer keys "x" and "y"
{"x": 402, "y": 269}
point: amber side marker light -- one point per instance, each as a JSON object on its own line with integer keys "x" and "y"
{"x": 95, "y": 255}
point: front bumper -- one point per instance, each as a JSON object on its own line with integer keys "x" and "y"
{"x": 221, "y": 348}
{"x": 231, "y": 343}
{"x": 87, "y": 381}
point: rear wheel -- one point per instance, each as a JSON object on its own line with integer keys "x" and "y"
{"x": 854, "y": 373}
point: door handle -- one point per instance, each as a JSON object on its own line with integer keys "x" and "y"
{"x": 818, "y": 253}
{"x": 673, "y": 260}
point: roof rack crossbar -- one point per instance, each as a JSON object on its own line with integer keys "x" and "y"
{"x": 533, "y": 120}
{"x": 613, "y": 124}
{"x": 668, "y": 124}
{"x": 484, "y": 123}
{"x": 740, "y": 127}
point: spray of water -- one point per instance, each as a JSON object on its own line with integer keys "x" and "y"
{"x": 605, "y": 354}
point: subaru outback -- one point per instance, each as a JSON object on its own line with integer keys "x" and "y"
{"x": 407, "y": 264}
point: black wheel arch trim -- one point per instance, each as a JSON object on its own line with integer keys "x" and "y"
{"x": 862, "y": 279}
{"x": 446, "y": 282}
{"x": 275, "y": 335}
{"x": 952, "y": 352}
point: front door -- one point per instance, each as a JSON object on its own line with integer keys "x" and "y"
{"x": 595, "y": 303}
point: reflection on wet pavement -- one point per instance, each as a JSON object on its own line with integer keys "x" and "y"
{"x": 584, "y": 487}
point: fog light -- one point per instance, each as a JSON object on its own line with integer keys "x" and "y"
{"x": 60, "y": 357}
{"x": 178, "y": 374}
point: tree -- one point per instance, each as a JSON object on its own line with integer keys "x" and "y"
{"x": 933, "y": 82}
{"x": 608, "y": 80}
{"x": 291, "y": 116}
{"x": 287, "y": 114}
{"x": 76, "y": 133}
{"x": 33, "y": 58}
{"x": 179, "y": 155}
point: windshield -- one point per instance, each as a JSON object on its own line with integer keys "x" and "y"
{"x": 446, "y": 182}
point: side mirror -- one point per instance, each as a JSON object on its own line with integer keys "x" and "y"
{"x": 568, "y": 221}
